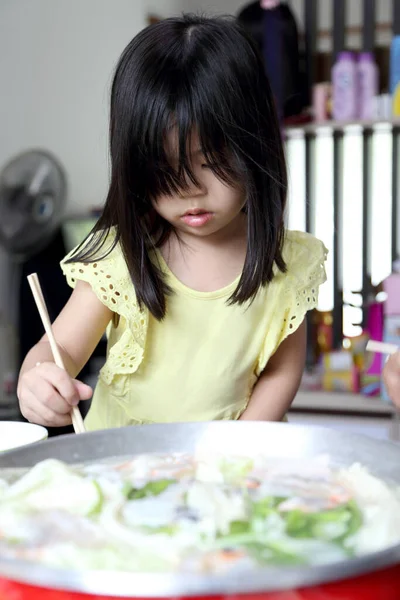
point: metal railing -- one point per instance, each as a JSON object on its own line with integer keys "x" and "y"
{"x": 344, "y": 185}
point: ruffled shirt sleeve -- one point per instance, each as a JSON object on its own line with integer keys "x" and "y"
{"x": 110, "y": 280}
{"x": 294, "y": 293}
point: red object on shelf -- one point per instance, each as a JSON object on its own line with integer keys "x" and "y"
{"x": 380, "y": 585}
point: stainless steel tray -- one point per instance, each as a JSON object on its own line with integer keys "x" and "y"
{"x": 250, "y": 438}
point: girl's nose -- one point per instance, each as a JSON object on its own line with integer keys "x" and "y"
{"x": 192, "y": 191}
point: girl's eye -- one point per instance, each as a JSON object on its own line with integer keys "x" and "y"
{"x": 205, "y": 166}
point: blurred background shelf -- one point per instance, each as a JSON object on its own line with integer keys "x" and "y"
{"x": 348, "y": 412}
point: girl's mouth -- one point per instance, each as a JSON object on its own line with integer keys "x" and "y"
{"x": 197, "y": 217}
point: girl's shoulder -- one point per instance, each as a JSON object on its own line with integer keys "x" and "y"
{"x": 305, "y": 258}
{"x": 300, "y": 246}
{"x": 293, "y": 293}
{"x": 107, "y": 273}
{"x": 105, "y": 270}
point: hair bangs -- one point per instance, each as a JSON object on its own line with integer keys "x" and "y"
{"x": 175, "y": 138}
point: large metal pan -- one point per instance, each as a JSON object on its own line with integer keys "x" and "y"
{"x": 275, "y": 440}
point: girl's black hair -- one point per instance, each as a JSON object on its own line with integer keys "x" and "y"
{"x": 202, "y": 75}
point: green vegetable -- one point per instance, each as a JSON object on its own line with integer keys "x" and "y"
{"x": 356, "y": 517}
{"x": 239, "y": 527}
{"x": 355, "y": 521}
{"x": 52, "y": 485}
{"x": 14, "y": 541}
{"x": 97, "y": 508}
{"x": 332, "y": 525}
{"x": 236, "y": 470}
{"x": 263, "y": 508}
{"x": 299, "y": 524}
{"x": 153, "y": 488}
{"x": 273, "y": 553}
{"x": 166, "y": 529}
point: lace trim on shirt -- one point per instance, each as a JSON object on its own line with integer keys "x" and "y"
{"x": 109, "y": 279}
{"x": 305, "y": 261}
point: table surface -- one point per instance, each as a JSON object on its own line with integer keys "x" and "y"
{"x": 341, "y": 403}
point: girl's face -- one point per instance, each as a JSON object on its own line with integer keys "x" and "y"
{"x": 206, "y": 210}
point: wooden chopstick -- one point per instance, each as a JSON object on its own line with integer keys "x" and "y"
{"x": 381, "y": 347}
{"x": 33, "y": 280}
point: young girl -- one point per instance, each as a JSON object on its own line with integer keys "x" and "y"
{"x": 202, "y": 291}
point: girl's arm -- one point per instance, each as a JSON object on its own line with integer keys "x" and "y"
{"x": 78, "y": 329}
{"x": 47, "y": 393}
{"x": 391, "y": 376}
{"x": 278, "y": 384}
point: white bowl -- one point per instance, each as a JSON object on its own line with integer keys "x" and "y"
{"x": 14, "y": 434}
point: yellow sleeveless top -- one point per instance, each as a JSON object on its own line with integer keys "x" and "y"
{"x": 202, "y": 361}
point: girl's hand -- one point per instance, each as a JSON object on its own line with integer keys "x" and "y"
{"x": 391, "y": 377}
{"x": 47, "y": 394}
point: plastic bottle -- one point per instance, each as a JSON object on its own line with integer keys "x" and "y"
{"x": 395, "y": 74}
{"x": 344, "y": 88}
{"x": 368, "y": 84}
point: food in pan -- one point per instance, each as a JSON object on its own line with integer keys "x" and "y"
{"x": 205, "y": 514}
